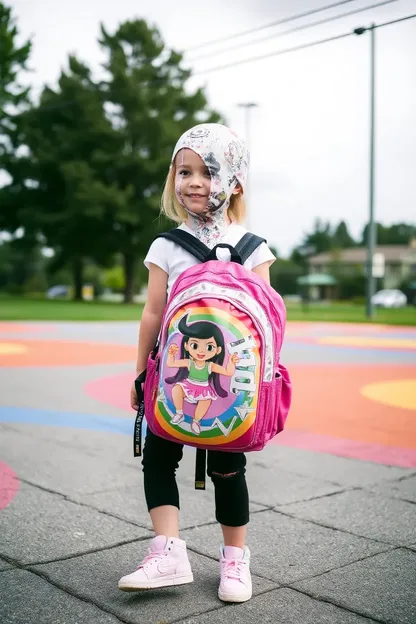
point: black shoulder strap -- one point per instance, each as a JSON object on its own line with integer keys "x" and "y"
{"x": 244, "y": 248}
{"x": 248, "y": 244}
{"x": 187, "y": 242}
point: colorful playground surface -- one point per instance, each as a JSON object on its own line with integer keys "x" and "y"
{"x": 354, "y": 385}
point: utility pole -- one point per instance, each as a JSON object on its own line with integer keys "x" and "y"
{"x": 248, "y": 106}
{"x": 371, "y": 228}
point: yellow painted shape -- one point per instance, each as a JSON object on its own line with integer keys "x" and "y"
{"x": 397, "y": 393}
{"x": 12, "y": 348}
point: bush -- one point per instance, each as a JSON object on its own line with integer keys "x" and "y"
{"x": 114, "y": 279}
{"x": 351, "y": 286}
{"x": 36, "y": 283}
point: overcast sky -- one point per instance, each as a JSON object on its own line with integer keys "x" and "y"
{"x": 309, "y": 135}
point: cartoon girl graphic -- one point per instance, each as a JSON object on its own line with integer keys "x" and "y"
{"x": 200, "y": 365}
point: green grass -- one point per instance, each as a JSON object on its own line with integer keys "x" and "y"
{"x": 21, "y": 309}
{"x": 350, "y": 313}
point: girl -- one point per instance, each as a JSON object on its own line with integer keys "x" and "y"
{"x": 202, "y": 353}
{"x": 204, "y": 193}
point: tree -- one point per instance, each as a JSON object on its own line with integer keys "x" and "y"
{"x": 13, "y": 99}
{"x": 284, "y": 275}
{"x": 319, "y": 240}
{"x": 150, "y": 107}
{"x": 395, "y": 234}
{"x": 13, "y": 61}
{"x": 67, "y": 134}
{"x": 21, "y": 266}
{"x": 341, "y": 238}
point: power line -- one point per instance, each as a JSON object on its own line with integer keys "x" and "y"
{"x": 296, "y": 48}
{"x": 259, "y": 58}
{"x": 285, "y": 20}
{"x": 291, "y": 30}
{"x": 396, "y": 21}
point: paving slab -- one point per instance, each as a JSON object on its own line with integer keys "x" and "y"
{"x": 404, "y": 489}
{"x": 362, "y": 513}
{"x": 287, "y": 549}
{"x": 4, "y": 565}
{"x": 39, "y": 526}
{"x": 280, "y": 605}
{"x": 382, "y": 587}
{"x": 26, "y": 598}
{"x": 95, "y": 576}
{"x": 338, "y": 470}
{"x": 270, "y": 485}
{"x": 93, "y": 443}
{"x": 197, "y": 507}
{"x": 52, "y": 466}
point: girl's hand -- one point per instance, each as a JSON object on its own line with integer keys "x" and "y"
{"x": 133, "y": 398}
{"x": 235, "y": 358}
{"x": 173, "y": 350}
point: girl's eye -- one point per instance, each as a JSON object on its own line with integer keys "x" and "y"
{"x": 184, "y": 172}
{"x": 194, "y": 346}
{"x": 210, "y": 348}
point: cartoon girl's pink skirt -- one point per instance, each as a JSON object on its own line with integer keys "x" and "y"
{"x": 197, "y": 392}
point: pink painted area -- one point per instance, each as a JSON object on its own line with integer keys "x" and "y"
{"x": 9, "y": 485}
{"x": 113, "y": 390}
{"x": 377, "y": 453}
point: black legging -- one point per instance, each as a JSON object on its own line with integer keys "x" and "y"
{"x": 227, "y": 470}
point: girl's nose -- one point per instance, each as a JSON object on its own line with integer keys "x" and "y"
{"x": 196, "y": 180}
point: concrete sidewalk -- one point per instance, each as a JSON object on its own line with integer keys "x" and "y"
{"x": 333, "y": 540}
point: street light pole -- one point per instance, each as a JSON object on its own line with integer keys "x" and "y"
{"x": 371, "y": 229}
{"x": 248, "y": 106}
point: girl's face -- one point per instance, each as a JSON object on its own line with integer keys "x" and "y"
{"x": 192, "y": 181}
{"x": 202, "y": 350}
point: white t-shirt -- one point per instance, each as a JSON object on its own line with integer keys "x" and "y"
{"x": 174, "y": 260}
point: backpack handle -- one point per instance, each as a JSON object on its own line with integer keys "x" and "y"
{"x": 235, "y": 256}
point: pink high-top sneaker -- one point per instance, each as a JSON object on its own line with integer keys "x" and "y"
{"x": 235, "y": 585}
{"x": 166, "y": 564}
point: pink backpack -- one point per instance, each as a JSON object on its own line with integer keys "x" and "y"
{"x": 214, "y": 380}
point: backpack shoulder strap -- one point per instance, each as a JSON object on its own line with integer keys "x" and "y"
{"x": 187, "y": 242}
{"x": 248, "y": 245}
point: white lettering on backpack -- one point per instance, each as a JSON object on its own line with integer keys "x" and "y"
{"x": 243, "y": 379}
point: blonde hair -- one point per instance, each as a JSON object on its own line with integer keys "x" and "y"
{"x": 171, "y": 207}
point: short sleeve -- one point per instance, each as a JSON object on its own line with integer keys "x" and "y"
{"x": 260, "y": 256}
{"x": 157, "y": 254}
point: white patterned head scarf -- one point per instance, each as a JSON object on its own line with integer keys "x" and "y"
{"x": 227, "y": 160}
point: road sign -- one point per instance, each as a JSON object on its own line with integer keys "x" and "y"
{"x": 378, "y": 265}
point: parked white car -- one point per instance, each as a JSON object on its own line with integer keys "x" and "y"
{"x": 392, "y": 298}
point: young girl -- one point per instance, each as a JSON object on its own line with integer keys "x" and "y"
{"x": 204, "y": 193}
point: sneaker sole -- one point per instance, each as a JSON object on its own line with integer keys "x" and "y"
{"x": 233, "y": 598}
{"x": 165, "y": 582}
